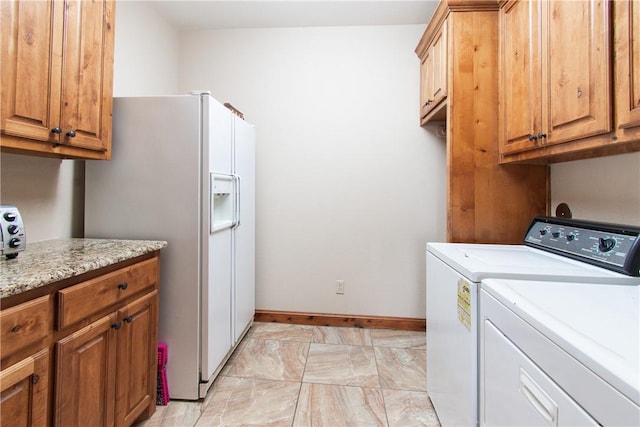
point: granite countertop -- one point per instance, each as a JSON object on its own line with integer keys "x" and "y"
{"x": 49, "y": 261}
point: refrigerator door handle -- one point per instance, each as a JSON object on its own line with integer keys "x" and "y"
{"x": 238, "y": 183}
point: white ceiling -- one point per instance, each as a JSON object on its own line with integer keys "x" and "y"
{"x": 217, "y": 14}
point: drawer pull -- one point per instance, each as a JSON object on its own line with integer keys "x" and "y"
{"x": 16, "y": 328}
{"x": 35, "y": 379}
{"x": 116, "y": 325}
{"x": 128, "y": 319}
{"x": 123, "y": 285}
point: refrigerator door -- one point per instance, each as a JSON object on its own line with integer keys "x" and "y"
{"x": 244, "y": 232}
{"x": 218, "y": 214}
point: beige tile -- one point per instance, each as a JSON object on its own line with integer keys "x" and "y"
{"x": 342, "y": 365}
{"x": 341, "y": 335}
{"x": 244, "y": 402}
{"x": 409, "y": 408}
{"x": 176, "y": 414}
{"x": 269, "y": 359}
{"x": 335, "y": 406}
{"x": 281, "y": 331}
{"x": 399, "y": 339}
{"x": 402, "y": 368}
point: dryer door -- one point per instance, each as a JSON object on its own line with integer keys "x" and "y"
{"x": 516, "y": 392}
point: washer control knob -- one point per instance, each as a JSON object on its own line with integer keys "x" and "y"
{"x": 556, "y": 234}
{"x": 571, "y": 237}
{"x": 605, "y": 245}
{"x": 543, "y": 231}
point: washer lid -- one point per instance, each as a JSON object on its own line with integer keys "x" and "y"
{"x": 481, "y": 261}
{"x": 597, "y": 324}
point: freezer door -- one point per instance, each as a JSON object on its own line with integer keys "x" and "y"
{"x": 216, "y": 300}
{"x": 218, "y": 192}
{"x": 244, "y": 232}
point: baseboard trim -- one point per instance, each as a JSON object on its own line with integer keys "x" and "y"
{"x": 322, "y": 319}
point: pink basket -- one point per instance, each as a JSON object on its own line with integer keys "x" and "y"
{"x": 162, "y": 397}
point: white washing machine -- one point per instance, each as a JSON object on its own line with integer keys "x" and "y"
{"x": 558, "y": 353}
{"x": 554, "y": 249}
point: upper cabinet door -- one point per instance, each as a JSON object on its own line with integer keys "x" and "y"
{"x": 86, "y": 74}
{"x": 520, "y": 103}
{"x": 576, "y": 77}
{"x": 31, "y": 52}
{"x": 555, "y": 79}
{"x": 433, "y": 75}
{"x": 57, "y": 77}
{"x": 627, "y": 78}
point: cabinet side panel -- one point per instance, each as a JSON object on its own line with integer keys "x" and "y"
{"x": 488, "y": 203}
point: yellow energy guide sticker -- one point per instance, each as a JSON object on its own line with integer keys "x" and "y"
{"x": 464, "y": 303}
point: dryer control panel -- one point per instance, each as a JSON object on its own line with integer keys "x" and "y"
{"x": 612, "y": 246}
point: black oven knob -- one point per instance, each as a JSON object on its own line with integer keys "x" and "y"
{"x": 13, "y": 229}
{"x": 605, "y": 245}
{"x": 14, "y": 243}
{"x": 10, "y": 216}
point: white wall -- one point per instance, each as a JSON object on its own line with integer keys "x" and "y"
{"x": 349, "y": 186}
{"x": 50, "y": 193}
{"x": 603, "y": 189}
{"x": 47, "y": 192}
{"x": 146, "y": 51}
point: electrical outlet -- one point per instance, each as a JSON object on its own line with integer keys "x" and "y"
{"x": 340, "y": 287}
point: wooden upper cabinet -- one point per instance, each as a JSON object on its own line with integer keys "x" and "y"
{"x": 57, "y": 68}
{"x": 433, "y": 75}
{"x": 627, "y": 76}
{"x": 520, "y": 88}
{"x": 555, "y": 74}
{"x": 486, "y": 202}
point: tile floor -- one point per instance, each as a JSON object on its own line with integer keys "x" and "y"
{"x": 300, "y": 375}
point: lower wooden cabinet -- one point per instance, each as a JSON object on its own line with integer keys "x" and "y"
{"x": 103, "y": 348}
{"x": 85, "y": 376}
{"x": 137, "y": 359}
{"x": 24, "y": 390}
{"x": 105, "y": 372}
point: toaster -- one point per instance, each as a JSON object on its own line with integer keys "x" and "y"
{"x": 12, "y": 235}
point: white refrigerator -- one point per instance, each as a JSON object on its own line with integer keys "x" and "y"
{"x": 183, "y": 170}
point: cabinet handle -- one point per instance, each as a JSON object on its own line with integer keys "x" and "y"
{"x": 71, "y": 133}
{"x": 16, "y": 328}
{"x": 116, "y": 325}
{"x": 128, "y": 319}
{"x": 532, "y": 137}
{"x": 123, "y": 286}
{"x": 56, "y": 130}
{"x": 35, "y": 379}
{"x": 542, "y": 135}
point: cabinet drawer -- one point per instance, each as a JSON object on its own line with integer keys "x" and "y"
{"x": 23, "y": 325}
{"x": 90, "y": 297}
